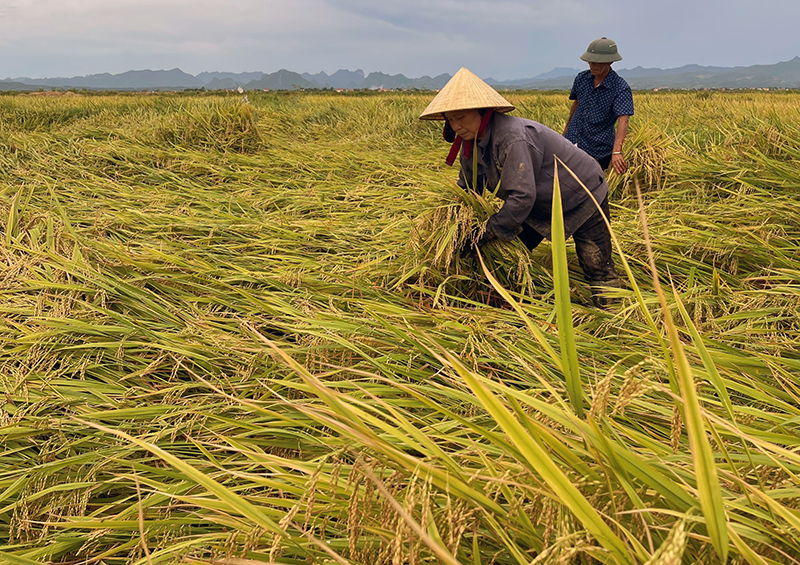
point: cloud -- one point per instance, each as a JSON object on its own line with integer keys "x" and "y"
{"x": 177, "y": 19}
{"x": 177, "y": 29}
{"x": 414, "y": 37}
{"x": 502, "y": 38}
{"x": 480, "y": 16}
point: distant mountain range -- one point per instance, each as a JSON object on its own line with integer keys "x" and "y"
{"x": 779, "y": 75}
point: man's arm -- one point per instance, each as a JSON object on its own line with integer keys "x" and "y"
{"x": 571, "y": 113}
{"x": 617, "y": 160}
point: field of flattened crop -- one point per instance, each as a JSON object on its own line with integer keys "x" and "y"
{"x": 242, "y": 332}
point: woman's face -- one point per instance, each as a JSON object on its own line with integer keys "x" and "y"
{"x": 465, "y": 123}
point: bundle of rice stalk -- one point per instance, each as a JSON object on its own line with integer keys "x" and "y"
{"x": 649, "y": 152}
{"x": 442, "y": 237}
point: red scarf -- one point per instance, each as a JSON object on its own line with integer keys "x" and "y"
{"x": 451, "y": 157}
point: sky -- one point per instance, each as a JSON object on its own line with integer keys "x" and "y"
{"x": 499, "y": 39}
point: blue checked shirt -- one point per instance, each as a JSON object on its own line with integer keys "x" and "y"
{"x": 592, "y": 124}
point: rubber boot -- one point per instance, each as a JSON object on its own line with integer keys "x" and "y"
{"x": 599, "y": 297}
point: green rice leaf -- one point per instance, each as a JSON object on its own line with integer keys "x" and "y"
{"x": 566, "y": 331}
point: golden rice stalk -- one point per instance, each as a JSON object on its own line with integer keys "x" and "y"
{"x": 671, "y": 551}
{"x": 441, "y": 234}
{"x": 648, "y": 152}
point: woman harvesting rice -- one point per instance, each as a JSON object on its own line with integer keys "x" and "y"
{"x": 516, "y": 157}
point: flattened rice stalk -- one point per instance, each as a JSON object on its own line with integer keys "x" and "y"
{"x": 137, "y": 273}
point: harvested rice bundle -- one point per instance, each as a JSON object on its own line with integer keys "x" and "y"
{"x": 442, "y": 238}
{"x": 649, "y": 154}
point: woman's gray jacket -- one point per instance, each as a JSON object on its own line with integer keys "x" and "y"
{"x": 516, "y": 157}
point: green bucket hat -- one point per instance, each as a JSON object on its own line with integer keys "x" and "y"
{"x": 603, "y": 50}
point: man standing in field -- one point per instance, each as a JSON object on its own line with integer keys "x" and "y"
{"x": 517, "y": 158}
{"x": 600, "y": 98}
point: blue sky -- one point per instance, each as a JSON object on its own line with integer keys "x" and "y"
{"x": 502, "y": 39}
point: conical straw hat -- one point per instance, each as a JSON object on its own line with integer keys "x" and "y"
{"x": 465, "y": 91}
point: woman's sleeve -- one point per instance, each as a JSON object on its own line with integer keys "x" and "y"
{"x": 518, "y": 181}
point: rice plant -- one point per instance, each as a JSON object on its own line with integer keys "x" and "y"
{"x": 245, "y": 334}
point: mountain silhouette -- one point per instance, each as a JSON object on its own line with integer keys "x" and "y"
{"x": 779, "y": 75}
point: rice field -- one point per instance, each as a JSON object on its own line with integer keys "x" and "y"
{"x": 242, "y": 332}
